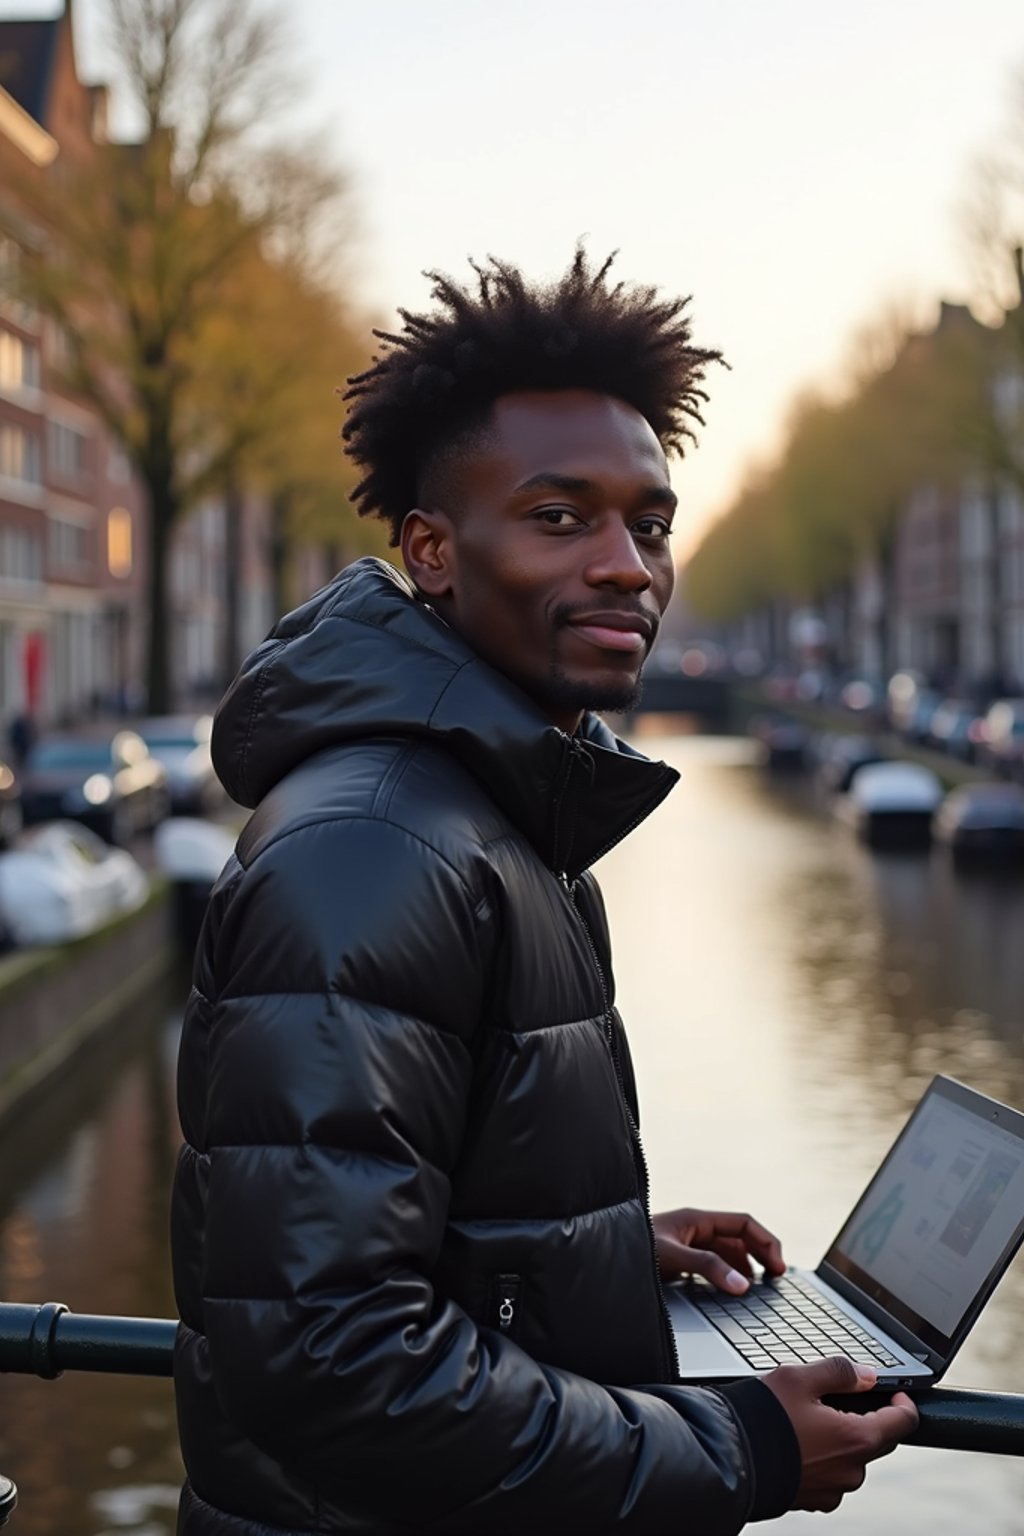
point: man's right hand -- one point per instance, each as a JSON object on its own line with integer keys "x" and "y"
{"x": 836, "y": 1446}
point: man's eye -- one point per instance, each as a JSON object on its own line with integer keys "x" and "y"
{"x": 558, "y": 517}
{"x": 653, "y": 528}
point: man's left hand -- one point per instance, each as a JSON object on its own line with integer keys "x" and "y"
{"x": 716, "y": 1244}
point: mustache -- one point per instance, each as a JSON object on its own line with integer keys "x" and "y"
{"x": 568, "y": 613}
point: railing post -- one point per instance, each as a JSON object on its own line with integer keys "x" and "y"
{"x": 8, "y": 1499}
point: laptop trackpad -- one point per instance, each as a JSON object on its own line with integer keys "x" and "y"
{"x": 703, "y": 1353}
{"x": 706, "y": 1355}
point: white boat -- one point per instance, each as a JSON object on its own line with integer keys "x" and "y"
{"x": 62, "y": 882}
{"x": 891, "y": 804}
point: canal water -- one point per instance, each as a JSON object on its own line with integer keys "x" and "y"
{"x": 788, "y": 994}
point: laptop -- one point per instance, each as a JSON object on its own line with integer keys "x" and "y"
{"x": 903, "y": 1283}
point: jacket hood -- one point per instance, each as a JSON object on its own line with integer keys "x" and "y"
{"x": 365, "y": 657}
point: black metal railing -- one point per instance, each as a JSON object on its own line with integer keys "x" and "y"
{"x": 48, "y": 1340}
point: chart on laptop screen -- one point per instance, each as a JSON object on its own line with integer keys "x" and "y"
{"x": 932, "y": 1227}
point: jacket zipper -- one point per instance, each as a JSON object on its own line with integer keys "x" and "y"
{"x": 505, "y": 1290}
{"x": 637, "y": 1146}
{"x": 576, "y": 751}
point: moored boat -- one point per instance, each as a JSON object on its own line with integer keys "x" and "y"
{"x": 891, "y": 805}
{"x": 983, "y": 822}
{"x": 784, "y": 744}
{"x": 841, "y": 757}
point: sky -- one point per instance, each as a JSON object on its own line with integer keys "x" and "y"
{"x": 795, "y": 166}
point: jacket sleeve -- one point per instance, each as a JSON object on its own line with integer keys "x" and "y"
{"x": 351, "y": 964}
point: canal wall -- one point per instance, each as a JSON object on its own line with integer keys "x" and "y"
{"x": 951, "y": 771}
{"x": 55, "y": 1001}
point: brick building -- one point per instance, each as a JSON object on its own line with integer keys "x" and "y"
{"x": 70, "y": 550}
{"x": 73, "y": 545}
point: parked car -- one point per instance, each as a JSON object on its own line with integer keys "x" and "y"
{"x": 917, "y": 720}
{"x": 11, "y": 816}
{"x": 983, "y": 821}
{"x": 957, "y": 728}
{"x": 182, "y": 744}
{"x": 111, "y": 783}
{"x": 62, "y": 882}
{"x": 1004, "y": 737}
{"x": 891, "y": 805}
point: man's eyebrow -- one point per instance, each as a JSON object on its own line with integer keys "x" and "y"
{"x": 550, "y": 480}
{"x": 660, "y": 496}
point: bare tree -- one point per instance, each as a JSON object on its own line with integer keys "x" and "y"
{"x": 147, "y": 240}
{"x": 992, "y": 218}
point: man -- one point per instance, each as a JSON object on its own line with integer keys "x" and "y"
{"x": 418, "y": 1281}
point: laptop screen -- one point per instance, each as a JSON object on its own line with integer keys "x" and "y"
{"x": 942, "y": 1217}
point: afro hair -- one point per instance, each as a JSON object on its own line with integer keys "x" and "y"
{"x": 433, "y": 384}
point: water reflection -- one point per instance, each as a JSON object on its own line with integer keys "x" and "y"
{"x": 788, "y": 995}
{"x": 83, "y": 1216}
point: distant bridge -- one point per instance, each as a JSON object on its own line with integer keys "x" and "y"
{"x": 671, "y": 693}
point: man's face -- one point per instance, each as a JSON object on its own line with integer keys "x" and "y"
{"x": 555, "y": 566}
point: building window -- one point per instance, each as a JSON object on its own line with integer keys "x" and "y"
{"x": 61, "y": 352}
{"x": 119, "y": 542}
{"x": 10, "y": 264}
{"x": 10, "y": 281}
{"x": 19, "y": 363}
{"x": 69, "y": 544}
{"x": 1011, "y": 512}
{"x": 21, "y": 556}
{"x": 119, "y": 469}
{"x": 20, "y": 458}
{"x": 11, "y": 268}
{"x": 69, "y": 451}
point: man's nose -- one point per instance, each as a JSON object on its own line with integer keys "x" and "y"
{"x": 616, "y": 561}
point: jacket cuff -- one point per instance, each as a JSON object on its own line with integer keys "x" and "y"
{"x": 774, "y": 1448}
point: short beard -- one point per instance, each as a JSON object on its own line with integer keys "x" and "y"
{"x": 561, "y": 694}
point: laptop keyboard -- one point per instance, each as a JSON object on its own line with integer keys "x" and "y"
{"x": 788, "y": 1322}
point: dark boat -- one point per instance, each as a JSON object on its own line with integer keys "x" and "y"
{"x": 842, "y": 757}
{"x": 784, "y": 744}
{"x": 983, "y": 822}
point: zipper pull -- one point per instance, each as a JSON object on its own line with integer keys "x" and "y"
{"x": 505, "y": 1303}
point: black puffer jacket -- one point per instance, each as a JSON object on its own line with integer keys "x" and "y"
{"x": 411, "y": 1245}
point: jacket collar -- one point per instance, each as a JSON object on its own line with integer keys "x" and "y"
{"x": 366, "y": 657}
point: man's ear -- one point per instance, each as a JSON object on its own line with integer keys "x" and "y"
{"x": 428, "y": 551}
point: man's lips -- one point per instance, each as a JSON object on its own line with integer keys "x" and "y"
{"x": 614, "y": 631}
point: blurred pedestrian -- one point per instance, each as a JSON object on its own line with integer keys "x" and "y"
{"x": 21, "y": 737}
{"x": 418, "y": 1279}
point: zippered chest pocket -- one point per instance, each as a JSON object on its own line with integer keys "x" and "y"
{"x": 504, "y": 1309}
